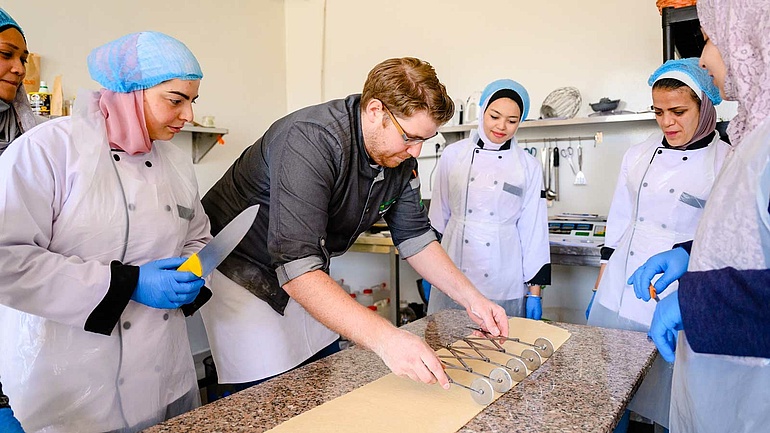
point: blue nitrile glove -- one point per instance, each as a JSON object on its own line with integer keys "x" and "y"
{"x": 590, "y": 304}
{"x": 162, "y": 286}
{"x": 666, "y": 322}
{"x": 8, "y": 422}
{"x": 672, "y": 263}
{"x": 534, "y": 307}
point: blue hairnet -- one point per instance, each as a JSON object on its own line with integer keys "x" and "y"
{"x": 8, "y": 21}
{"x": 505, "y": 84}
{"x": 686, "y": 70}
{"x": 140, "y": 61}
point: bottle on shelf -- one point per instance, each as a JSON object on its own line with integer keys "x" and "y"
{"x": 366, "y": 297}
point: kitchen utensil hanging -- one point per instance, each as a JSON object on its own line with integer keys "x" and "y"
{"x": 556, "y": 171}
{"x": 580, "y": 178}
{"x": 550, "y": 194}
{"x": 567, "y": 154}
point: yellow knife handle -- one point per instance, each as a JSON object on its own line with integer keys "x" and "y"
{"x": 193, "y": 264}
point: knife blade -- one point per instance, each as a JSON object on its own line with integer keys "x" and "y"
{"x": 209, "y": 257}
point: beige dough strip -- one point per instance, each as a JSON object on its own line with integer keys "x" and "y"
{"x": 396, "y": 404}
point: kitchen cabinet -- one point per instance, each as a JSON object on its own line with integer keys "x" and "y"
{"x": 585, "y": 386}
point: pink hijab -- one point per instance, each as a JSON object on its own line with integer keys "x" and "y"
{"x": 124, "y": 116}
{"x": 741, "y": 31}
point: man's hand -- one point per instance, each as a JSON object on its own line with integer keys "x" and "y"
{"x": 489, "y": 316}
{"x": 407, "y": 355}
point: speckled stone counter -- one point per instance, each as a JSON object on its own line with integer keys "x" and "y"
{"x": 583, "y": 387}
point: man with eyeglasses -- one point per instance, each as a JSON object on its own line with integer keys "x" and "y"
{"x": 323, "y": 175}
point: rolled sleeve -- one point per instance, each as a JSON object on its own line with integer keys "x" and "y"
{"x": 412, "y": 246}
{"x": 293, "y": 269}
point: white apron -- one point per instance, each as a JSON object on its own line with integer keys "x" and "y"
{"x": 662, "y": 195}
{"x": 250, "y": 341}
{"x": 83, "y": 210}
{"x": 487, "y": 204}
{"x": 718, "y": 393}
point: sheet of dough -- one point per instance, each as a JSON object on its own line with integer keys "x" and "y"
{"x": 396, "y": 404}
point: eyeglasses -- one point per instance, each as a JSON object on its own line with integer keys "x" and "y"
{"x": 408, "y": 141}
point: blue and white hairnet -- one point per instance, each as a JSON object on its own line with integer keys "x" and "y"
{"x": 501, "y": 84}
{"x": 7, "y": 21}
{"x": 140, "y": 61}
{"x": 690, "y": 73}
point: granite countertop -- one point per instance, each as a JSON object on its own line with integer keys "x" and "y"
{"x": 584, "y": 386}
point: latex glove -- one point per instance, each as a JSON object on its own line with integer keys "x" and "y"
{"x": 162, "y": 286}
{"x": 672, "y": 263}
{"x": 590, "y": 304}
{"x": 407, "y": 355}
{"x": 534, "y": 307}
{"x": 666, "y": 322}
{"x": 489, "y": 316}
{"x": 8, "y": 422}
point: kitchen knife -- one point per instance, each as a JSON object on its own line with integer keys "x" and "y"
{"x": 210, "y": 256}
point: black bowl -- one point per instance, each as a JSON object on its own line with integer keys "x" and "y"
{"x": 605, "y": 104}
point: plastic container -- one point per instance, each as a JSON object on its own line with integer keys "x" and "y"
{"x": 43, "y": 87}
{"x": 380, "y": 291}
{"x": 383, "y": 307}
{"x": 366, "y": 297}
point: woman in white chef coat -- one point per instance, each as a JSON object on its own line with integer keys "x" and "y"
{"x": 487, "y": 203}
{"x": 92, "y": 329}
{"x": 663, "y": 185}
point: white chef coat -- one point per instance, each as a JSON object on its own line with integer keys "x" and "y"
{"x": 487, "y": 203}
{"x": 68, "y": 207}
{"x": 658, "y": 201}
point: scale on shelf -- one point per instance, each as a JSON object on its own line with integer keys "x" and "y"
{"x": 577, "y": 229}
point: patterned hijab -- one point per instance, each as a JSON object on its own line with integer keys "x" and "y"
{"x": 740, "y": 29}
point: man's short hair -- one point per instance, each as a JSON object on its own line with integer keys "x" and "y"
{"x": 408, "y": 85}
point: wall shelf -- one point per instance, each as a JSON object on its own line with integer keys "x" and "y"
{"x": 563, "y": 122}
{"x": 203, "y": 139}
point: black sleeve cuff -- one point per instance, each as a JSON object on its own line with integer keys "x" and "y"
{"x": 543, "y": 276}
{"x": 687, "y": 246}
{"x": 606, "y": 252}
{"x": 202, "y": 298}
{"x": 123, "y": 282}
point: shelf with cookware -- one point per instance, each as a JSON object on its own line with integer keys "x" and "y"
{"x": 465, "y": 129}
